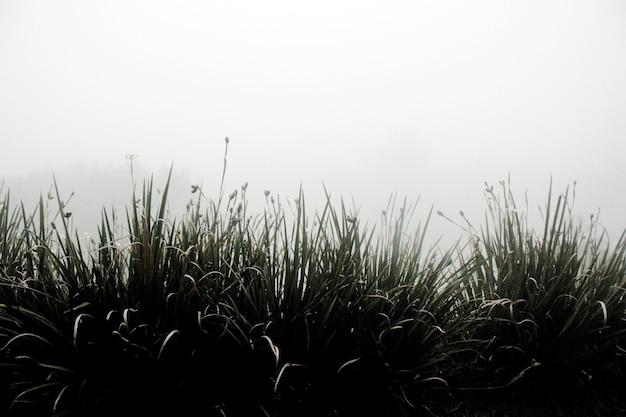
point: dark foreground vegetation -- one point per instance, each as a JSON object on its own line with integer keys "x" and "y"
{"x": 223, "y": 313}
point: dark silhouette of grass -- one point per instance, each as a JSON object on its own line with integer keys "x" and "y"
{"x": 223, "y": 313}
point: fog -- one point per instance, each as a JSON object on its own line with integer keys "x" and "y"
{"x": 423, "y": 100}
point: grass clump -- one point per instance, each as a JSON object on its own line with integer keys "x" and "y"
{"x": 548, "y": 304}
{"x": 226, "y": 313}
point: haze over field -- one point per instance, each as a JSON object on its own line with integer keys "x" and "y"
{"x": 423, "y": 99}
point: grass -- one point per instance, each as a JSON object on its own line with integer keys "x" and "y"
{"x": 552, "y": 301}
{"x": 285, "y": 313}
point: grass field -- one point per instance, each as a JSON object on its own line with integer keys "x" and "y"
{"x": 223, "y": 312}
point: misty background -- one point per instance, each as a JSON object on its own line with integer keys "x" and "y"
{"x": 424, "y": 100}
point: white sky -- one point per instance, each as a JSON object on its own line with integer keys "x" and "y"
{"x": 425, "y": 99}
